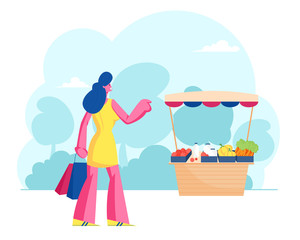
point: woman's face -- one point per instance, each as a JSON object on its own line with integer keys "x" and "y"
{"x": 107, "y": 88}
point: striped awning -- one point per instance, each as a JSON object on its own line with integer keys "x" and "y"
{"x": 211, "y": 99}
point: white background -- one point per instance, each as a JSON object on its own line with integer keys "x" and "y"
{"x": 269, "y": 32}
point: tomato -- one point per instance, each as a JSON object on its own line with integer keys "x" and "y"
{"x": 192, "y": 159}
{"x": 203, "y": 154}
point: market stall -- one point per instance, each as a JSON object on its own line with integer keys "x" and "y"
{"x": 223, "y": 174}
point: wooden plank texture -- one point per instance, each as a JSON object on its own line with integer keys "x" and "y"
{"x": 186, "y": 193}
{"x": 210, "y": 177}
{"x": 211, "y": 180}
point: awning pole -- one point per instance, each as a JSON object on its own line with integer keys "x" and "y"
{"x": 249, "y": 123}
{"x": 173, "y": 128}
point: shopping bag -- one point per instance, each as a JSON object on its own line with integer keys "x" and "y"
{"x": 62, "y": 187}
{"x": 78, "y": 177}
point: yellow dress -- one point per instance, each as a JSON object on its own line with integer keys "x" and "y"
{"x": 102, "y": 151}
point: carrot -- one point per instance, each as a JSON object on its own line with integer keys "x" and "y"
{"x": 240, "y": 152}
{"x": 249, "y": 153}
{"x": 237, "y": 151}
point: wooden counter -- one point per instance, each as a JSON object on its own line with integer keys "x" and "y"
{"x": 211, "y": 179}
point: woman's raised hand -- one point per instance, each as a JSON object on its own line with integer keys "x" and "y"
{"x": 81, "y": 152}
{"x": 145, "y": 105}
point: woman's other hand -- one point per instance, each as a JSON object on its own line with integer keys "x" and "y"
{"x": 81, "y": 152}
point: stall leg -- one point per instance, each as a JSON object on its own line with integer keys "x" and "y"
{"x": 173, "y": 128}
{"x": 249, "y": 123}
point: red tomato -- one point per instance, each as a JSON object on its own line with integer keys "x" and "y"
{"x": 203, "y": 154}
{"x": 174, "y": 154}
{"x": 182, "y": 154}
{"x": 192, "y": 159}
{"x": 196, "y": 158}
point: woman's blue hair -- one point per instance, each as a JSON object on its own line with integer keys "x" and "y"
{"x": 95, "y": 99}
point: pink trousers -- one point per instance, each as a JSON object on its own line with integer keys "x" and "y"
{"x": 86, "y": 204}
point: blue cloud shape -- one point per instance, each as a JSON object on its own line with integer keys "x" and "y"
{"x": 151, "y": 171}
{"x": 46, "y": 175}
{"x": 203, "y": 124}
{"x": 259, "y": 134}
{"x": 167, "y": 39}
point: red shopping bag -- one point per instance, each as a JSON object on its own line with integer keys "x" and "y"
{"x": 63, "y": 185}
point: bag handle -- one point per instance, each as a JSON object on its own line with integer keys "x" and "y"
{"x": 78, "y": 159}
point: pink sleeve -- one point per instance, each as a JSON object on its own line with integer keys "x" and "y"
{"x": 81, "y": 143}
{"x": 138, "y": 112}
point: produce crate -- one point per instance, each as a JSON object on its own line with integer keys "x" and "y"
{"x": 209, "y": 159}
{"x": 181, "y": 159}
{"x": 227, "y": 159}
{"x": 245, "y": 158}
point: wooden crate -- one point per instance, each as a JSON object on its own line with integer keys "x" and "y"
{"x": 211, "y": 179}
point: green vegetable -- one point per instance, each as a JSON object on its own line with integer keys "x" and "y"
{"x": 250, "y": 145}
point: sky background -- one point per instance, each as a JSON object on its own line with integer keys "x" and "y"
{"x": 159, "y": 54}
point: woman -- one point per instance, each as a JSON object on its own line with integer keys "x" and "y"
{"x": 103, "y": 153}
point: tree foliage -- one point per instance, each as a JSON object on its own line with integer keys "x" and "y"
{"x": 137, "y": 82}
{"x": 54, "y": 124}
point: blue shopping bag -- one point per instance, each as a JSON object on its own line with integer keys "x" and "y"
{"x": 78, "y": 177}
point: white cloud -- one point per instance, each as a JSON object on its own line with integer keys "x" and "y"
{"x": 74, "y": 83}
{"x": 220, "y": 46}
